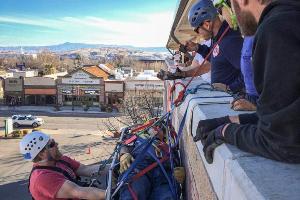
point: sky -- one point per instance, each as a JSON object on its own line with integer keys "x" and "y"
{"x": 141, "y": 23}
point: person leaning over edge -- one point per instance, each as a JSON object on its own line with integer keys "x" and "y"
{"x": 225, "y": 60}
{"x": 274, "y": 130}
{"x": 46, "y": 183}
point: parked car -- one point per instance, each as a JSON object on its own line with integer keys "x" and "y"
{"x": 26, "y": 120}
{"x": 16, "y": 116}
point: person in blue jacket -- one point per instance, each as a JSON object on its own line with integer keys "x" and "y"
{"x": 248, "y": 102}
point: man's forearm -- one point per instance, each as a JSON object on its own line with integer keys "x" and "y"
{"x": 87, "y": 170}
{"x": 90, "y": 193}
{"x": 196, "y": 71}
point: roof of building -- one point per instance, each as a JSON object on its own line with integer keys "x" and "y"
{"x": 96, "y": 71}
{"x": 106, "y": 68}
{"x": 147, "y": 75}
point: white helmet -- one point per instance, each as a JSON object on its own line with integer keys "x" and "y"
{"x": 32, "y": 144}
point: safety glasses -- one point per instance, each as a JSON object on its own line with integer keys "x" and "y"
{"x": 197, "y": 29}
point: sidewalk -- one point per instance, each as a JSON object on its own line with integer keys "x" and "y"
{"x": 51, "y": 109}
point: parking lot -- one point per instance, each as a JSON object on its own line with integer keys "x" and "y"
{"x": 82, "y": 137}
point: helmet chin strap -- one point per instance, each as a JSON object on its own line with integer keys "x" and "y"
{"x": 210, "y": 30}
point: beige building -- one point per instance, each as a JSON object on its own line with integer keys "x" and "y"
{"x": 148, "y": 63}
{"x": 151, "y": 87}
{"x": 114, "y": 91}
{"x": 13, "y": 91}
{"x": 82, "y": 86}
{"x": 39, "y": 91}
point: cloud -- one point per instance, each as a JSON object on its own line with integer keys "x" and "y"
{"x": 151, "y": 29}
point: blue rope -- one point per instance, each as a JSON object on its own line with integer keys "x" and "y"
{"x": 171, "y": 154}
{"x": 171, "y": 186}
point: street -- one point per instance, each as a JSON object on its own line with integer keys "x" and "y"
{"x": 82, "y": 137}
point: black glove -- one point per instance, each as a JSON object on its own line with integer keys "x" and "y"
{"x": 204, "y": 126}
{"x": 213, "y": 140}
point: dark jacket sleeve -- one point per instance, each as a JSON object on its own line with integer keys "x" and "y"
{"x": 248, "y": 118}
{"x": 203, "y": 50}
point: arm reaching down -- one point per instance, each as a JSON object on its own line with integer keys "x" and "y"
{"x": 71, "y": 190}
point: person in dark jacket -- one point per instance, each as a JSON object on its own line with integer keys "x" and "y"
{"x": 274, "y": 130}
{"x": 225, "y": 60}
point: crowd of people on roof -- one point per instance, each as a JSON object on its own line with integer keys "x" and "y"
{"x": 251, "y": 50}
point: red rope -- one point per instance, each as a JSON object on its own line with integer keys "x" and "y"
{"x": 133, "y": 194}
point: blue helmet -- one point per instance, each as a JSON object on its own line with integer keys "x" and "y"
{"x": 201, "y": 11}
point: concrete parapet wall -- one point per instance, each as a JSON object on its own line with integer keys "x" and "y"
{"x": 234, "y": 174}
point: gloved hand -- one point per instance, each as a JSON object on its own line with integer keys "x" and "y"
{"x": 125, "y": 161}
{"x": 179, "y": 174}
{"x": 213, "y": 140}
{"x": 204, "y": 126}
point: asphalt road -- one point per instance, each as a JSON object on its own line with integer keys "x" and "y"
{"x": 66, "y": 121}
{"x": 75, "y": 134}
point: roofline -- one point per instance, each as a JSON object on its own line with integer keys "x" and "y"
{"x": 178, "y": 16}
{"x": 78, "y": 69}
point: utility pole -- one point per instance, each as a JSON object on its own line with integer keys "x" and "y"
{"x": 72, "y": 97}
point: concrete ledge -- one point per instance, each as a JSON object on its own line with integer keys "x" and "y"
{"x": 234, "y": 174}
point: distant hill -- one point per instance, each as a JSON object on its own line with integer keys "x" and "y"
{"x": 76, "y": 46}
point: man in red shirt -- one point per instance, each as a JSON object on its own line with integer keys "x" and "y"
{"x": 54, "y": 175}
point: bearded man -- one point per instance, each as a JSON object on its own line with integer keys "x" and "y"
{"x": 54, "y": 176}
{"x": 274, "y": 130}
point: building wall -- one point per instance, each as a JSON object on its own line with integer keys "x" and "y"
{"x": 156, "y": 85}
{"x": 13, "y": 85}
{"x": 112, "y": 86}
{"x": 141, "y": 65}
{"x": 40, "y": 91}
{"x": 25, "y": 74}
{"x": 80, "y": 86}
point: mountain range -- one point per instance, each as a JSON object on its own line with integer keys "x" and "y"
{"x": 76, "y": 46}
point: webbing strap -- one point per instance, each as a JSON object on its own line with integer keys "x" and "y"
{"x": 171, "y": 186}
{"x": 133, "y": 194}
{"x": 149, "y": 168}
{"x": 56, "y": 169}
{"x": 130, "y": 140}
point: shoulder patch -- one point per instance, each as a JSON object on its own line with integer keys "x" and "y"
{"x": 216, "y": 51}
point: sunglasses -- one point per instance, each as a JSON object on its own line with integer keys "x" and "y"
{"x": 51, "y": 144}
{"x": 196, "y": 29}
